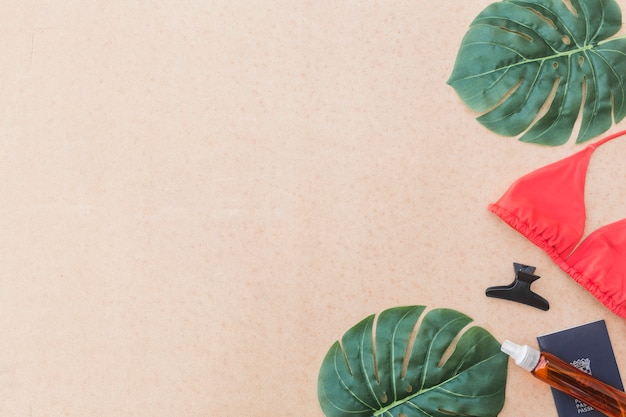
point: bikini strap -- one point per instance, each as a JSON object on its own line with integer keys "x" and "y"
{"x": 606, "y": 139}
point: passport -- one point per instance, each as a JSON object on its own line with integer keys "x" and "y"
{"x": 587, "y": 347}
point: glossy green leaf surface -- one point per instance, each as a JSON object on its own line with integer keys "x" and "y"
{"x": 538, "y": 67}
{"x": 402, "y": 364}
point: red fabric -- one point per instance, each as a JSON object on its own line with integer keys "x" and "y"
{"x": 548, "y": 207}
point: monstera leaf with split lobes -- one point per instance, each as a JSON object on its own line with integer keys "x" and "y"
{"x": 401, "y": 364}
{"x": 534, "y": 66}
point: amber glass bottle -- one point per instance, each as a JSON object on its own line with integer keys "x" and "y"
{"x": 565, "y": 377}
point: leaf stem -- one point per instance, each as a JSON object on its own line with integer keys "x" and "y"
{"x": 560, "y": 54}
{"x": 404, "y": 400}
{"x": 410, "y": 397}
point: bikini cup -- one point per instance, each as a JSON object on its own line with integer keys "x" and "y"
{"x": 547, "y": 206}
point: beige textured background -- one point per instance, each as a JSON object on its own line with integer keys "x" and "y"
{"x": 198, "y": 198}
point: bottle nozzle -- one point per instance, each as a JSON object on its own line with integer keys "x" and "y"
{"x": 524, "y": 356}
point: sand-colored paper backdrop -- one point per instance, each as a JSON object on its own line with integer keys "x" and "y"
{"x": 197, "y": 198}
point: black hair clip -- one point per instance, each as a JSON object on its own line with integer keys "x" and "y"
{"x": 519, "y": 290}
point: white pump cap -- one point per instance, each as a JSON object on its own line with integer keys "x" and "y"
{"x": 524, "y": 356}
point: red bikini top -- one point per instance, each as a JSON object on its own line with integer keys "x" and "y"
{"x": 548, "y": 207}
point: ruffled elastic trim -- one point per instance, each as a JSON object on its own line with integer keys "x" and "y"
{"x": 523, "y": 228}
{"x": 591, "y": 286}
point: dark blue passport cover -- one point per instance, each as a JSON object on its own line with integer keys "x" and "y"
{"x": 588, "y": 348}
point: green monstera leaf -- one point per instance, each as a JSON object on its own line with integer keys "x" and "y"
{"x": 538, "y": 63}
{"x": 398, "y": 366}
